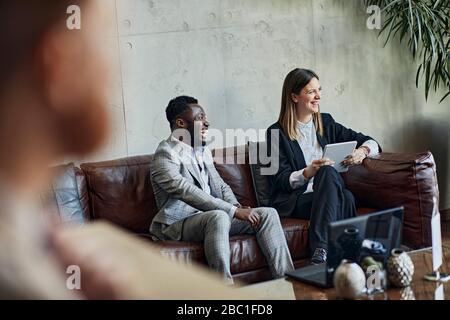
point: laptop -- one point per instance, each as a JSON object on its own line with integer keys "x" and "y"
{"x": 374, "y": 235}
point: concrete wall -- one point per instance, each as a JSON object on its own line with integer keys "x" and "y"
{"x": 233, "y": 56}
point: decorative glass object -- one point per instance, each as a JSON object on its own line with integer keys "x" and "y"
{"x": 349, "y": 280}
{"x": 350, "y": 242}
{"x": 400, "y": 268}
{"x": 407, "y": 294}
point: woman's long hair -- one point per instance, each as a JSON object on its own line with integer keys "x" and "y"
{"x": 295, "y": 81}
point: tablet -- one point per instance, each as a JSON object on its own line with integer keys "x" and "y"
{"x": 338, "y": 152}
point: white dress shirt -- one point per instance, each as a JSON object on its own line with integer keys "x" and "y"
{"x": 312, "y": 150}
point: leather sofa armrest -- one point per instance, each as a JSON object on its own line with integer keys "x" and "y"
{"x": 66, "y": 198}
{"x": 399, "y": 179}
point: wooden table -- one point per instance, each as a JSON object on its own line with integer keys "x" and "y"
{"x": 290, "y": 289}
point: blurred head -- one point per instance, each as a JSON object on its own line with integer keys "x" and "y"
{"x": 187, "y": 120}
{"x": 300, "y": 97}
{"x": 52, "y": 80}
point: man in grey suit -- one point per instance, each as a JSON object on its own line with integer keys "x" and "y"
{"x": 195, "y": 204}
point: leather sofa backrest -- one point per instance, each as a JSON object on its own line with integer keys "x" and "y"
{"x": 232, "y": 165}
{"x": 261, "y": 181}
{"x": 120, "y": 191}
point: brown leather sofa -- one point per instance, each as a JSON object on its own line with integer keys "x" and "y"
{"x": 120, "y": 191}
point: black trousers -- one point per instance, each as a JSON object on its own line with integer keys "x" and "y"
{"x": 329, "y": 202}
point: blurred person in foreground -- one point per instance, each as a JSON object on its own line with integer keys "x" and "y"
{"x": 52, "y": 105}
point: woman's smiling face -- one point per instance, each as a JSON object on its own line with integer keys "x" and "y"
{"x": 308, "y": 100}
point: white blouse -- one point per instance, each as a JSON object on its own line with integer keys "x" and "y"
{"x": 312, "y": 150}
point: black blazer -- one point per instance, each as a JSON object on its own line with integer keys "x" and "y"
{"x": 291, "y": 159}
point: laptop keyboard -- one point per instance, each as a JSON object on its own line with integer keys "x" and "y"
{"x": 312, "y": 274}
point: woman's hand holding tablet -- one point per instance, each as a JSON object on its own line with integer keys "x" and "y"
{"x": 311, "y": 170}
{"x": 357, "y": 156}
{"x": 342, "y": 154}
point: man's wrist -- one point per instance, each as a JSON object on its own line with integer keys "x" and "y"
{"x": 233, "y": 211}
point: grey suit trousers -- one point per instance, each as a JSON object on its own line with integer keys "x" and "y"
{"x": 214, "y": 229}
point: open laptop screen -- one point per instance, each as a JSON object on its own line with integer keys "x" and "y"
{"x": 372, "y": 235}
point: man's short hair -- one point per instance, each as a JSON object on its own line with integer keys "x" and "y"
{"x": 177, "y": 107}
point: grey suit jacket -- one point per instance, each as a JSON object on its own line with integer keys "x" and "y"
{"x": 176, "y": 184}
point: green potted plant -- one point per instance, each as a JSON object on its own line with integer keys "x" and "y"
{"x": 424, "y": 25}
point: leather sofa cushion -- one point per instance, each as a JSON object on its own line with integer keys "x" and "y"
{"x": 245, "y": 252}
{"x": 296, "y": 232}
{"x": 185, "y": 252}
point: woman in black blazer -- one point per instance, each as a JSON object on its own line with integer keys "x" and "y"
{"x": 306, "y": 186}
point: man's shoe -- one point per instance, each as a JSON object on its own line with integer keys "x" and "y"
{"x": 319, "y": 256}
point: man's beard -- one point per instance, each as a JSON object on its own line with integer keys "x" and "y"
{"x": 196, "y": 138}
